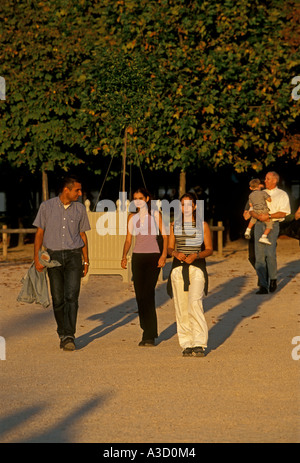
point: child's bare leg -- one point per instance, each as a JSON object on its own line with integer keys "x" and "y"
{"x": 267, "y": 231}
{"x": 264, "y": 238}
{"x": 248, "y": 230}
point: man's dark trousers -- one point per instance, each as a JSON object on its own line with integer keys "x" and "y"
{"x": 65, "y": 287}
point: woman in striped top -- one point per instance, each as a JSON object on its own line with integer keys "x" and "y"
{"x": 190, "y": 243}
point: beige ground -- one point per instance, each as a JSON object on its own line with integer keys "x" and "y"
{"x": 110, "y": 390}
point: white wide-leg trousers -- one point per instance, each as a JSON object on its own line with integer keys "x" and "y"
{"x": 191, "y": 324}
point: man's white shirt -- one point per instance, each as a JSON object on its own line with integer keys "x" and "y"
{"x": 280, "y": 202}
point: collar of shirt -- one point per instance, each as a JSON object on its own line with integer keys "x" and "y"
{"x": 272, "y": 191}
{"x": 62, "y": 204}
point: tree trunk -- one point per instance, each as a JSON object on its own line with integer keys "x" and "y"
{"x": 182, "y": 183}
{"x": 21, "y": 235}
{"x": 45, "y": 189}
{"x": 124, "y": 160}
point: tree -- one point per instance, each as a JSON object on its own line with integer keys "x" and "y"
{"x": 117, "y": 95}
{"x": 222, "y": 79}
{"x": 195, "y": 83}
{"x": 43, "y": 47}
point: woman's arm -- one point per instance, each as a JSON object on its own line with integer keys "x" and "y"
{"x": 162, "y": 259}
{"x": 207, "y": 244}
{"x": 171, "y": 240}
{"x": 127, "y": 243}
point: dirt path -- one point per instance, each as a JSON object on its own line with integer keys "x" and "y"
{"x": 112, "y": 391}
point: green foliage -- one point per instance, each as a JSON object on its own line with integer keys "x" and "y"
{"x": 118, "y": 88}
{"x": 223, "y": 78}
{"x": 193, "y": 82}
{"x": 41, "y": 49}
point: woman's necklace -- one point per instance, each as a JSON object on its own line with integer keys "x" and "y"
{"x": 142, "y": 217}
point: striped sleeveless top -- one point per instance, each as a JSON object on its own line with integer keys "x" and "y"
{"x": 188, "y": 237}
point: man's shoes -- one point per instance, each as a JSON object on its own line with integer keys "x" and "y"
{"x": 147, "y": 342}
{"x": 198, "y": 351}
{"x": 273, "y": 286}
{"x": 262, "y": 290}
{"x": 264, "y": 240}
{"x": 187, "y": 352}
{"x": 67, "y": 344}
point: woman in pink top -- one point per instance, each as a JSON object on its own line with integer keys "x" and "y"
{"x": 147, "y": 261}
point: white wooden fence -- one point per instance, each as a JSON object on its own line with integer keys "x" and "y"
{"x": 105, "y": 251}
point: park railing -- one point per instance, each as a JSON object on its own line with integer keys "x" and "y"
{"x": 7, "y": 231}
{"x": 105, "y": 252}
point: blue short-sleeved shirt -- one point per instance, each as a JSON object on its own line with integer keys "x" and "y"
{"x": 62, "y": 226}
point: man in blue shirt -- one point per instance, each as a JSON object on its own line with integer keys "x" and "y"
{"x": 61, "y": 225}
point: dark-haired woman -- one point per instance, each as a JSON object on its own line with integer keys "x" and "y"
{"x": 190, "y": 243}
{"x": 147, "y": 260}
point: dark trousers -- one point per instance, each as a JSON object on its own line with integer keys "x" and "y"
{"x": 265, "y": 254}
{"x": 251, "y": 252}
{"x": 65, "y": 287}
{"x": 145, "y": 275}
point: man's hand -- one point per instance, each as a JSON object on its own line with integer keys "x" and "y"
{"x": 85, "y": 268}
{"x": 38, "y": 265}
{"x": 263, "y": 217}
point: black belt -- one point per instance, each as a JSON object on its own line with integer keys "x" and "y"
{"x": 64, "y": 250}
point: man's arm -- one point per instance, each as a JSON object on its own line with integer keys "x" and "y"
{"x": 38, "y": 242}
{"x": 85, "y": 253}
{"x": 278, "y": 215}
{"x": 266, "y": 217}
